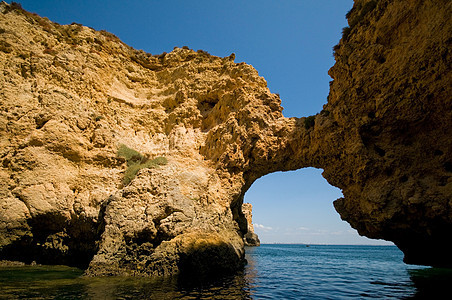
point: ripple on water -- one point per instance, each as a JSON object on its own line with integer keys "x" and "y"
{"x": 273, "y": 272}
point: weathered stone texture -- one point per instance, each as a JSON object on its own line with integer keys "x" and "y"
{"x": 250, "y": 238}
{"x": 71, "y": 97}
{"x": 391, "y": 96}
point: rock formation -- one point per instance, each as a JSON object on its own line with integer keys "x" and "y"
{"x": 128, "y": 163}
{"x": 391, "y": 99}
{"x": 250, "y": 238}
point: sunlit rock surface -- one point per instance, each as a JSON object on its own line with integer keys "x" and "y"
{"x": 128, "y": 163}
{"x": 250, "y": 238}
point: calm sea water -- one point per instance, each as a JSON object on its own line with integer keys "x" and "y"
{"x": 273, "y": 272}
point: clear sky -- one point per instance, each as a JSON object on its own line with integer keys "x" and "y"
{"x": 289, "y": 42}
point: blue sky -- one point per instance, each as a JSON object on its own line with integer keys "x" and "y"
{"x": 289, "y": 42}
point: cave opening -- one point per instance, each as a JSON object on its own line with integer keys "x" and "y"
{"x": 296, "y": 207}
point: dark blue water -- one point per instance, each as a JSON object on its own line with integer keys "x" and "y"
{"x": 273, "y": 272}
{"x": 339, "y": 272}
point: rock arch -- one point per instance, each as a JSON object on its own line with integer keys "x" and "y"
{"x": 383, "y": 138}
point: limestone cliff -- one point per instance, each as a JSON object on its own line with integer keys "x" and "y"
{"x": 251, "y": 238}
{"x": 130, "y": 163}
{"x": 119, "y": 160}
{"x": 391, "y": 100}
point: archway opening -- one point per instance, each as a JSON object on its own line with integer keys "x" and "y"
{"x": 296, "y": 207}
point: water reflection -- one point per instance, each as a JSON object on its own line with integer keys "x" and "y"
{"x": 273, "y": 271}
{"x": 59, "y": 282}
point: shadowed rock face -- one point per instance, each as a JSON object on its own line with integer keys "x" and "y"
{"x": 391, "y": 96}
{"x": 72, "y": 97}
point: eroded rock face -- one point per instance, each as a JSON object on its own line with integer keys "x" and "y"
{"x": 71, "y": 97}
{"x": 251, "y": 239}
{"x": 391, "y": 96}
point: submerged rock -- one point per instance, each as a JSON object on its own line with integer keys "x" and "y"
{"x": 127, "y": 163}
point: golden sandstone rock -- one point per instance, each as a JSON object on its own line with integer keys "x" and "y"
{"x": 201, "y": 129}
{"x": 250, "y": 238}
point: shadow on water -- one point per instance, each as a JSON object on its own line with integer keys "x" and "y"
{"x": 60, "y": 282}
{"x": 273, "y": 271}
{"x": 431, "y": 283}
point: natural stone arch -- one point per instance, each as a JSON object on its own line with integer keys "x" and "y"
{"x": 296, "y": 207}
{"x": 383, "y": 139}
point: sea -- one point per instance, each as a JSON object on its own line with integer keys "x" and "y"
{"x": 273, "y": 271}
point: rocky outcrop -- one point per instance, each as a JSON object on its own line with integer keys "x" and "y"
{"x": 120, "y": 161}
{"x": 391, "y": 96}
{"x": 134, "y": 164}
{"x": 250, "y": 239}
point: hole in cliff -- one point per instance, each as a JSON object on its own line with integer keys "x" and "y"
{"x": 448, "y": 166}
{"x": 297, "y": 207}
{"x": 380, "y": 59}
{"x": 205, "y": 108}
{"x": 41, "y": 122}
{"x": 379, "y": 151}
{"x": 403, "y": 179}
{"x": 438, "y": 153}
{"x": 443, "y": 180}
{"x": 389, "y": 171}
